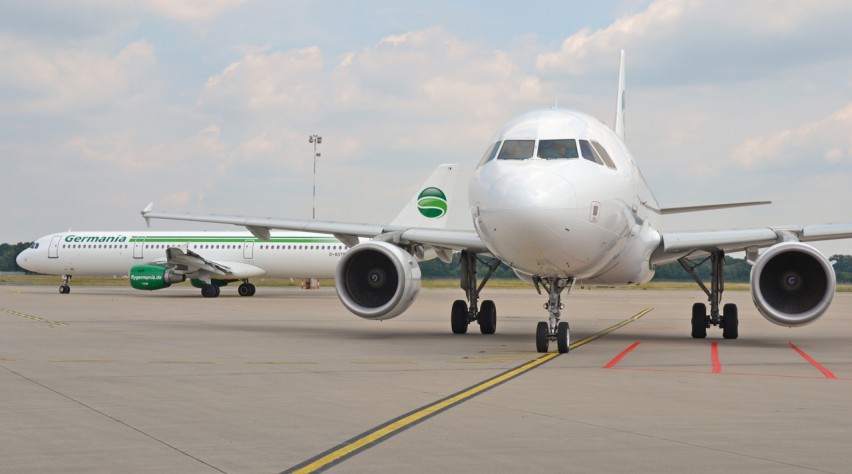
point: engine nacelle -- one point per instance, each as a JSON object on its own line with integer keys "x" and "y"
{"x": 377, "y": 280}
{"x": 152, "y": 277}
{"x": 792, "y": 284}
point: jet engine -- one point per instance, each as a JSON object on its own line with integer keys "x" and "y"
{"x": 153, "y": 277}
{"x": 377, "y": 280}
{"x": 792, "y": 284}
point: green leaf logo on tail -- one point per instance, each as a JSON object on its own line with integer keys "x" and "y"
{"x": 432, "y": 203}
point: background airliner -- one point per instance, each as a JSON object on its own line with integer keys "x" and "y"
{"x": 155, "y": 260}
{"x": 559, "y": 198}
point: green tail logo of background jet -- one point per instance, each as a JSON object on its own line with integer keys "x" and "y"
{"x": 432, "y": 203}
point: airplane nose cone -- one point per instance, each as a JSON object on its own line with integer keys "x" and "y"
{"x": 21, "y": 259}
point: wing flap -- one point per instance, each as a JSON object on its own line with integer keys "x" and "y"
{"x": 189, "y": 262}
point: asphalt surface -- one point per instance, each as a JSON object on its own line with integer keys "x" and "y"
{"x": 110, "y": 380}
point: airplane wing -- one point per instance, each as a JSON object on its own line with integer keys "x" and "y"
{"x": 347, "y": 233}
{"x": 436, "y": 217}
{"x": 674, "y": 245}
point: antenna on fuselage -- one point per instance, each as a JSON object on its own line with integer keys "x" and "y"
{"x": 619, "y": 103}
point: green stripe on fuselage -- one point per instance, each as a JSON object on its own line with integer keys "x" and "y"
{"x": 195, "y": 239}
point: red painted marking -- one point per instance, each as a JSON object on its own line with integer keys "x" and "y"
{"x": 738, "y": 374}
{"x": 615, "y": 360}
{"x": 814, "y": 363}
{"x": 714, "y": 356}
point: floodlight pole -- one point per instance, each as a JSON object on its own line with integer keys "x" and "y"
{"x": 316, "y": 140}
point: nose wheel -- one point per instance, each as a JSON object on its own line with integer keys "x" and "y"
{"x": 65, "y": 288}
{"x": 553, "y": 329}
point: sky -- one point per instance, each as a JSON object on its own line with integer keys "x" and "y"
{"x": 207, "y": 105}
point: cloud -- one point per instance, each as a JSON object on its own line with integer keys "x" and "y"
{"x": 693, "y": 41}
{"x": 828, "y": 140}
{"x": 58, "y": 80}
{"x": 192, "y": 11}
{"x": 280, "y": 80}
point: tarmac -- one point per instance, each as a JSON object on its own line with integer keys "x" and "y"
{"x": 109, "y": 379}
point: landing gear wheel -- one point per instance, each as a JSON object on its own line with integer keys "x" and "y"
{"x": 209, "y": 291}
{"x": 730, "y": 321}
{"x": 563, "y": 337}
{"x": 245, "y": 289}
{"x": 542, "y": 339}
{"x": 64, "y": 289}
{"x": 252, "y": 289}
{"x": 699, "y": 321}
{"x": 458, "y": 317}
{"x": 487, "y": 317}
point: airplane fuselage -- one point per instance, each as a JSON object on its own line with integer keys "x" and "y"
{"x": 286, "y": 255}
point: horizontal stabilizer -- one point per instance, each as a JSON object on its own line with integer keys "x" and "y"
{"x": 711, "y": 207}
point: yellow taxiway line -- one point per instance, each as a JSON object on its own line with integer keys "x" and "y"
{"x": 382, "y": 432}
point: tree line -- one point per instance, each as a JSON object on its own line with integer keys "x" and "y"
{"x": 736, "y": 270}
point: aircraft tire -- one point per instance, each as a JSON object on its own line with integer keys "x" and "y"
{"x": 542, "y": 342}
{"x": 488, "y": 317}
{"x": 730, "y": 321}
{"x": 563, "y": 337}
{"x": 253, "y": 289}
{"x": 64, "y": 289}
{"x": 244, "y": 290}
{"x": 699, "y": 321}
{"x": 458, "y": 317}
{"x": 209, "y": 291}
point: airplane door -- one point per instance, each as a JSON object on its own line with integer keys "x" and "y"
{"x": 137, "y": 248}
{"x": 248, "y": 249}
{"x": 53, "y": 250}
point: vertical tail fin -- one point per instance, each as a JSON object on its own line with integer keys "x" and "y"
{"x": 441, "y": 202}
{"x": 619, "y": 104}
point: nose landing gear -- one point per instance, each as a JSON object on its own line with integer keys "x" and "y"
{"x": 553, "y": 329}
{"x": 65, "y": 288}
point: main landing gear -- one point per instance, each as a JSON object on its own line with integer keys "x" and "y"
{"x": 728, "y": 319}
{"x": 65, "y": 288}
{"x": 464, "y": 313}
{"x": 553, "y": 329}
{"x": 211, "y": 290}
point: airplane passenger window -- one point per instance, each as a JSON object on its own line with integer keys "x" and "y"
{"x": 552, "y": 149}
{"x": 604, "y": 155}
{"x": 516, "y": 150}
{"x": 489, "y": 154}
{"x": 589, "y": 153}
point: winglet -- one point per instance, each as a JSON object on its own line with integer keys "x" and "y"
{"x": 619, "y": 103}
{"x": 145, "y": 212}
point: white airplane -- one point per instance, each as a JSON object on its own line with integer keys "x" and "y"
{"x": 559, "y": 198}
{"x": 155, "y": 260}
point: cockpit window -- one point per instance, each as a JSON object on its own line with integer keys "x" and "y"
{"x": 554, "y": 149}
{"x": 601, "y": 151}
{"x": 588, "y": 153}
{"x": 516, "y": 150}
{"x": 490, "y": 153}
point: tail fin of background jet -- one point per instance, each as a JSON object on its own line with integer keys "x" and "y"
{"x": 440, "y": 203}
{"x": 619, "y": 103}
